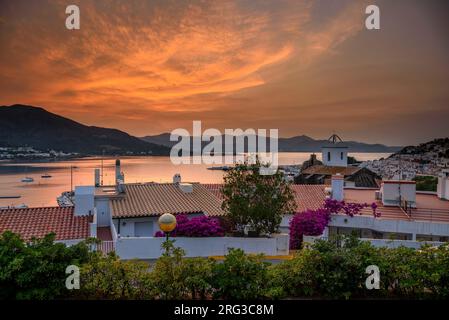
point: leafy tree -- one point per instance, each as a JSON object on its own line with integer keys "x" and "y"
{"x": 255, "y": 200}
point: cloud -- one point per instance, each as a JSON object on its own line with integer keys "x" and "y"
{"x": 157, "y": 51}
{"x": 150, "y": 66}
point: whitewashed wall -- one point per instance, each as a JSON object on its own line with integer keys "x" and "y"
{"x": 150, "y": 248}
{"x": 391, "y": 226}
{"x": 103, "y": 211}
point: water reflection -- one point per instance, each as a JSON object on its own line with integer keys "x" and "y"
{"x": 43, "y": 191}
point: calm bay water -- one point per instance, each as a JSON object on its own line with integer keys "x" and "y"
{"x": 43, "y": 192}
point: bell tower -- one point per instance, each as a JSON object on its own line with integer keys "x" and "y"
{"x": 335, "y": 152}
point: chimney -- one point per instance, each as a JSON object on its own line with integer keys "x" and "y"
{"x": 337, "y": 184}
{"x": 117, "y": 170}
{"x": 84, "y": 200}
{"x": 443, "y": 185}
{"x": 120, "y": 186}
{"x": 177, "y": 178}
{"x": 97, "y": 177}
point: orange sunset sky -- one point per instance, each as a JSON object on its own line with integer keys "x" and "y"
{"x": 304, "y": 67}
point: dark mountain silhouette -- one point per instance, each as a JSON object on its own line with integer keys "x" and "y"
{"x": 22, "y": 125}
{"x": 301, "y": 143}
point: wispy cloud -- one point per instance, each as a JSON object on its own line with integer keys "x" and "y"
{"x": 168, "y": 62}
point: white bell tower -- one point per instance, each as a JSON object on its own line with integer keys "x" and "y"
{"x": 335, "y": 152}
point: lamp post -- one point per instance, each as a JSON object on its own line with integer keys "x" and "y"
{"x": 167, "y": 223}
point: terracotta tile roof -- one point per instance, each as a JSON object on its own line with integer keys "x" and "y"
{"x": 330, "y": 170}
{"x": 215, "y": 188}
{"x": 38, "y": 222}
{"x": 309, "y": 196}
{"x": 154, "y": 199}
{"x": 428, "y": 207}
{"x": 306, "y": 196}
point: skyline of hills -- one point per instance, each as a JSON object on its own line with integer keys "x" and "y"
{"x": 22, "y": 125}
{"x": 300, "y": 143}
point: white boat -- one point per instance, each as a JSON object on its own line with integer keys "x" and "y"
{"x": 27, "y": 179}
{"x": 65, "y": 199}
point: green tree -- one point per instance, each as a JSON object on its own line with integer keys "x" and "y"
{"x": 256, "y": 200}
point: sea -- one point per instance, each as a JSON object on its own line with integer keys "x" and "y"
{"x": 64, "y": 175}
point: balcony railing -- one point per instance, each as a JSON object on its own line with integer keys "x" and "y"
{"x": 106, "y": 246}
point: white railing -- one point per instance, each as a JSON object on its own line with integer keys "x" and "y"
{"x": 113, "y": 230}
{"x": 106, "y": 246}
{"x": 93, "y": 225}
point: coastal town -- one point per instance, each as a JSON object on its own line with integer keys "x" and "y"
{"x": 30, "y": 154}
{"x": 426, "y": 159}
{"x": 224, "y": 159}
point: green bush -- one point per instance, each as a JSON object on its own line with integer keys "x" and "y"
{"x": 176, "y": 277}
{"x": 108, "y": 277}
{"x": 330, "y": 269}
{"x": 36, "y": 270}
{"x": 334, "y": 269}
{"x": 240, "y": 276}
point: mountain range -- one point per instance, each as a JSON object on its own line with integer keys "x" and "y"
{"x": 300, "y": 143}
{"x": 22, "y": 125}
{"x": 29, "y": 126}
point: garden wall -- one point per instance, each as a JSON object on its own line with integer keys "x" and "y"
{"x": 150, "y": 247}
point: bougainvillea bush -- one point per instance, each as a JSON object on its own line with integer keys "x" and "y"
{"x": 313, "y": 222}
{"x": 201, "y": 226}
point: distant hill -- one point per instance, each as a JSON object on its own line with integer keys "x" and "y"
{"x": 22, "y": 125}
{"x": 301, "y": 143}
{"x": 437, "y": 147}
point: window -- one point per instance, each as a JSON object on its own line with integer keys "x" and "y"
{"x": 341, "y": 155}
{"x": 328, "y": 156}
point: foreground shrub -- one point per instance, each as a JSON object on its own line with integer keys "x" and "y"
{"x": 240, "y": 276}
{"x": 36, "y": 270}
{"x": 337, "y": 269}
{"x": 176, "y": 277}
{"x": 108, "y": 277}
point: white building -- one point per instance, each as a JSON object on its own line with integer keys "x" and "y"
{"x": 335, "y": 152}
